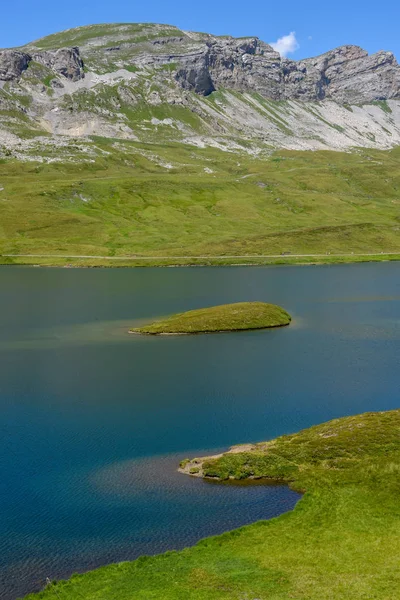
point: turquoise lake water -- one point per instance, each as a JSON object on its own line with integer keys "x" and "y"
{"x": 94, "y": 421}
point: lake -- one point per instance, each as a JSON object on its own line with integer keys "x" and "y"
{"x": 94, "y": 421}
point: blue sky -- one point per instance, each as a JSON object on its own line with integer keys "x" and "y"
{"x": 319, "y": 26}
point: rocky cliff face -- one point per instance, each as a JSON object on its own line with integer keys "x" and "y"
{"x": 13, "y": 64}
{"x": 65, "y": 61}
{"x": 138, "y": 81}
{"x": 347, "y": 74}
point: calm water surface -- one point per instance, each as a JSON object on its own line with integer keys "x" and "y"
{"x": 94, "y": 421}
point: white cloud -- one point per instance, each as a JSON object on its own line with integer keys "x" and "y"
{"x": 286, "y": 44}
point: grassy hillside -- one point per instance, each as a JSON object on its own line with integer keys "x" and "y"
{"x": 342, "y": 540}
{"x": 174, "y": 200}
{"x": 127, "y": 33}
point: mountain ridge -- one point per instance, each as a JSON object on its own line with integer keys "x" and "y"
{"x": 327, "y": 65}
{"x": 147, "y": 82}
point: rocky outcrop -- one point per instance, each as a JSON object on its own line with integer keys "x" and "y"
{"x": 195, "y": 76}
{"x": 65, "y": 61}
{"x": 246, "y": 64}
{"x": 242, "y": 64}
{"x": 347, "y": 74}
{"x": 375, "y": 77}
{"x": 12, "y": 64}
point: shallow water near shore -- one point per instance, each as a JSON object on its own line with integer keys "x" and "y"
{"x": 94, "y": 421}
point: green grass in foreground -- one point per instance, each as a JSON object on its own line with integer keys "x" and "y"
{"x": 342, "y": 541}
{"x": 125, "y": 204}
{"x": 227, "y": 317}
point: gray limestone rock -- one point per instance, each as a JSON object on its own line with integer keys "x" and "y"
{"x": 375, "y": 77}
{"x": 242, "y": 64}
{"x": 195, "y": 75}
{"x": 65, "y": 61}
{"x": 12, "y": 64}
{"x": 246, "y": 64}
{"x": 347, "y": 75}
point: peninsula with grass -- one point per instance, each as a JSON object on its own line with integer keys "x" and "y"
{"x": 341, "y": 541}
{"x": 239, "y": 316}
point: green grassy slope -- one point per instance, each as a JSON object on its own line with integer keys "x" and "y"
{"x": 342, "y": 540}
{"x": 123, "y": 32}
{"x": 175, "y": 200}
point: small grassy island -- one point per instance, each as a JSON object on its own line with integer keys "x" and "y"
{"x": 342, "y": 541}
{"x": 227, "y": 317}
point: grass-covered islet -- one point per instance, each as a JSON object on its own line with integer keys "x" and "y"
{"x": 226, "y": 317}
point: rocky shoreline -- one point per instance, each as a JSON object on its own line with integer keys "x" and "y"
{"x": 194, "y": 466}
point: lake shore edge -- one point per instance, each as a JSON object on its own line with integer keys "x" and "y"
{"x": 143, "y": 262}
{"x": 190, "y": 333}
{"x": 344, "y": 467}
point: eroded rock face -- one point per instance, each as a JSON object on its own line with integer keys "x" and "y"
{"x": 12, "y": 64}
{"x": 375, "y": 77}
{"x": 245, "y": 64}
{"x": 195, "y": 76}
{"x": 347, "y": 74}
{"x": 66, "y": 62}
{"x": 242, "y": 64}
